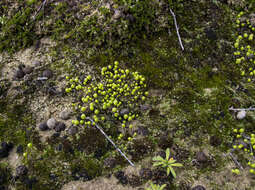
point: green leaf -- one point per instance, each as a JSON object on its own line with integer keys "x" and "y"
{"x": 162, "y": 187}
{"x": 168, "y": 171}
{"x": 157, "y": 158}
{"x": 173, "y": 172}
{"x": 167, "y": 153}
{"x": 177, "y": 165}
{"x": 157, "y": 164}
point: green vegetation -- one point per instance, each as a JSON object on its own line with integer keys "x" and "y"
{"x": 155, "y": 98}
{"x": 117, "y": 96}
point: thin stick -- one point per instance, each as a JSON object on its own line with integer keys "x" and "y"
{"x": 101, "y": 130}
{"x": 235, "y": 160}
{"x": 177, "y": 29}
{"x": 41, "y": 6}
{"x": 242, "y": 109}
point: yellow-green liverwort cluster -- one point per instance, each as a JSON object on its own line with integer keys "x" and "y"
{"x": 244, "y": 46}
{"x": 246, "y": 143}
{"x": 116, "y": 96}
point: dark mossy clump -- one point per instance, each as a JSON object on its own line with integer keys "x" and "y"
{"x": 5, "y": 175}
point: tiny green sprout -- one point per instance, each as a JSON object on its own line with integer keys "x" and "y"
{"x": 238, "y": 136}
{"x": 252, "y": 171}
{"x": 156, "y": 187}
{"x": 167, "y": 163}
{"x": 83, "y": 116}
{"x": 102, "y": 118}
{"x": 95, "y": 95}
{"x": 236, "y": 171}
{"x": 81, "y": 122}
{"x": 116, "y": 115}
{"x": 114, "y": 109}
{"x": 25, "y": 154}
{"x": 76, "y": 122}
{"x": 123, "y": 125}
{"x": 130, "y": 126}
{"x": 83, "y": 109}
{"x": 125, "y": 116}
{"x": 245, "y": 35}
{"x": 129, "y": 138}
{"x": 241, "y": 130}
{"x": 234, "y": 146}
{"x": 96, "y": 111}
{"x": 29, "y": 145}
{"x": 89, "y": 77}
{"x": 240, "y": 146}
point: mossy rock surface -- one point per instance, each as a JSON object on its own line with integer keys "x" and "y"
{"x": 187, "y": 110}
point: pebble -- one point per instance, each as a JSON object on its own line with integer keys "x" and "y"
{"x": 146, "y": 173}
{"x": 28, "y": 70}
{"x": 124, "y": 111}
{"x": 51, "y": 123}
{"x": 117, "y": 14}
{"x": 5, "y": 149}
{"x": 109, "y": 162}
{"x": 47, "y": 73}
{"x": 241, "y": 114}
{"x": 19, "y": 149}
{"x": 215, "y": 140}
{"x": 60, "y": 127}
{"x": 198, "y": 187}
{"x": 201, "y": 157}
{"x": 19, "y": 74}
{"x": 43, "y": 126}
{"x": 72, "y": 130}
{"x": 65, "y": 114}
{"x": 36, "y": 63}
{"x": 21, "y": 170}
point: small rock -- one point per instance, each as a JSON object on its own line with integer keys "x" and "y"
{"x": 134, "y": 181}
{"x": 51, "y": 123}
{"x": 142, "y": 131}
{"x": 36, "y": 63}
{"x": 43, "y": 126}
{"x": 124, "y": 111}
{"x": 145, "y": 173}
{"x": 198, "y": 187}
{"x": 215, "y": 140}
{"x": 201, "y": 157}
{"x": 60, "y": 127}
{"x": 55, "y": 135}
{"x": 72, "y": 130}
{"x": 117, "y": 14}
{"x": 19, "y": 74}
{"x": 121, "y": 177}
{"x": 28, "y": 70}
{"x": 21, "y": 170}
{"x": 59, "y": 147}
{"x": 3, "y": 153}
{"x": 7, "y": 146}
{"x": 109, "y": 162}
{"x": 19, "y": 149}
{"x": 65, "y": 114}
{"x": 241, "y": 114}
{"x": 145, "y": 107}
{"x": 47, "y": 73}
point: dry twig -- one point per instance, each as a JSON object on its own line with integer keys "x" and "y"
{"x": 177, "y": 29}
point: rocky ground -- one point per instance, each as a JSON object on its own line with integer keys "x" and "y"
{"x": 186, "y": 108}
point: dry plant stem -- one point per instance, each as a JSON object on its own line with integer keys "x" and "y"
{"x": 101, "y": 130}
{"x": 41, "y": 6}
{"x": 177, "y": 29}
{"x": 242, "y": 109}
{"x": 235, "y": 160}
